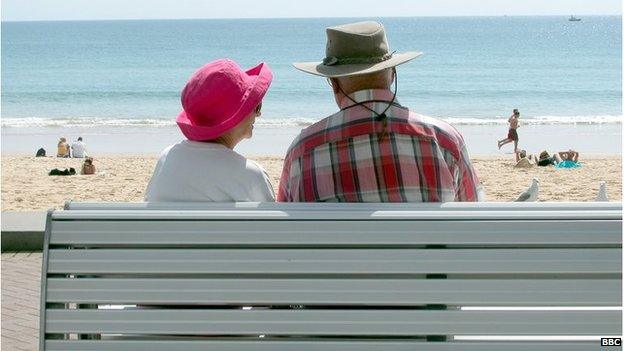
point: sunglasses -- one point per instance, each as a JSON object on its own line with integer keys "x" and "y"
{"x": 258, "y": 108}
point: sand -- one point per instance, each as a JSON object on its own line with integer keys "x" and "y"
{"x": 26, "y": 185}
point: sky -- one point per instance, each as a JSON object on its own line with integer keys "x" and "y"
{"x": 28, "y": 10}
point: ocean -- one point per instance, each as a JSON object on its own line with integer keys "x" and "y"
{"x": 116, "y": 76}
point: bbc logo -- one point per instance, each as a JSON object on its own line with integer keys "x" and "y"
{"x": 610, "y": 342}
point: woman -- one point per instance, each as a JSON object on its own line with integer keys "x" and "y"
{"x": 220, "y": 105}
{"x": 62, "y": 148}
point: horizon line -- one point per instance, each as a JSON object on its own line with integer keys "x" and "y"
{"x": 284, "y": 18}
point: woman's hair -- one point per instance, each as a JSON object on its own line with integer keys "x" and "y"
{"x": 543, "y": 155}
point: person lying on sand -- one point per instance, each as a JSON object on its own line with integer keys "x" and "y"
{"x": 569, "y": 155}
{"x": 569, "y": 159}
{"x": 546, "y": 160}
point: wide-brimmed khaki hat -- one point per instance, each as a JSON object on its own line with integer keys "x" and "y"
{"x": 356, "y": 48}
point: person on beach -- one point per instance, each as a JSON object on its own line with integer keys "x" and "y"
{"x": 88, "y": 167}
{"x": 62, "y": 148}
{"x": 525, "y": 161}
{"x": 220, "y": 105}
{"x": 569, "y": 159}
{"x": 569, "y": 155}
{"x": 546, "y": 160}
{"x": 374, "y": 149}
{"x": 79, "y": 148}
{"x": 512, "y": 135}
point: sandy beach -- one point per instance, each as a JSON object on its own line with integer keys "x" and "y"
{"x": 26, "y": 185}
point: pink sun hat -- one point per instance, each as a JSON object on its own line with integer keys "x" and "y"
{"x": 219, "y": 96}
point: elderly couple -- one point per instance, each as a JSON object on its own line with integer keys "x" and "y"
{"x": 372, "y": 150}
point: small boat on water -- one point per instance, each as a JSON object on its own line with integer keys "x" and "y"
{"x": 574, "y": 19}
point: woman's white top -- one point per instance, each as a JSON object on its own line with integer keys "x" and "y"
{"x": 207, "y": 172}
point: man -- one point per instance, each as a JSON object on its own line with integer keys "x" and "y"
{"x": 79, "y": 149}
{"x": 512, "y": 135}
{"x": 373, "y": 149}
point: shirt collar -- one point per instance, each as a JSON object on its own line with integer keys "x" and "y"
{"x": 367, "y": 95}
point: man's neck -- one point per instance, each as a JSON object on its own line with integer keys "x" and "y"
{"x": 346, "y": 100}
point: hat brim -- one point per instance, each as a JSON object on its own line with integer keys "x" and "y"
{"x": 335, "y": 71}
{"x": 192, "y": 131}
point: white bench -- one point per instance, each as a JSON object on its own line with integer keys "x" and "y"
{"x": 330, "y": 276}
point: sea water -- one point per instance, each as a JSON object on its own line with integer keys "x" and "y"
{"x": 118, "y": 76}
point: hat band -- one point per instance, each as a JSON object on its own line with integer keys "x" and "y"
{"x": 333, "y": 60}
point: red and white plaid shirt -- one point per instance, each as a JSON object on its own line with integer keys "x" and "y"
{"x": 347, "y": 157}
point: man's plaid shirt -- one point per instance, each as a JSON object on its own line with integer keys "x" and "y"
{"x": 348, "y": 157}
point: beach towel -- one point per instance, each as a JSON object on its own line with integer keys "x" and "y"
{"x": 568, "y": 164}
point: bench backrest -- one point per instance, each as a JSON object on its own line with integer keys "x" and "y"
{"x": 329, "y": 276}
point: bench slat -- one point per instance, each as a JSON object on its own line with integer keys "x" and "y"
{"x": 359, "y": 233}
{"x": 325, "y": 215}
{"x": 334, "y": 322}
{"x": 334, "y": 261}
{"x": 314, "y": 345}
{"x": 315, "y": 206}
{"x": 390, "y": 292}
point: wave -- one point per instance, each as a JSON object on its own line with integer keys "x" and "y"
{"x": 289, "y": 122}
{"x": 85, "y": 122}
{"x": 538, "y": 120}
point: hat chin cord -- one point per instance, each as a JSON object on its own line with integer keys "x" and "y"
{"x": 381, "y": 117}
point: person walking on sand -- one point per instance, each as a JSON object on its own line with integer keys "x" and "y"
{"x": 373, "y": 149}
{"x": 512, "y": 135}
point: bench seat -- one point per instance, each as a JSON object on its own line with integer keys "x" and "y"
{"x": 251, "y": 276}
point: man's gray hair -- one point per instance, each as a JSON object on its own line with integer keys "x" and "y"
{"x": 376, "y": 80}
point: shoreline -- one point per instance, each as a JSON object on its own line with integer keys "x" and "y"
{"x": 269, "y": 141}
{"x": 123, "y": 178}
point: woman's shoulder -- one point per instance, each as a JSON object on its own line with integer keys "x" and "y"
{"x": 211, "y": 155}
{"x": 255, "y": 168}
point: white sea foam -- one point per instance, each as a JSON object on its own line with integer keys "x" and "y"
{"x": 287, "y": 122}
{"x": 84, "y": 122}
{"x": 537, "y": 120}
